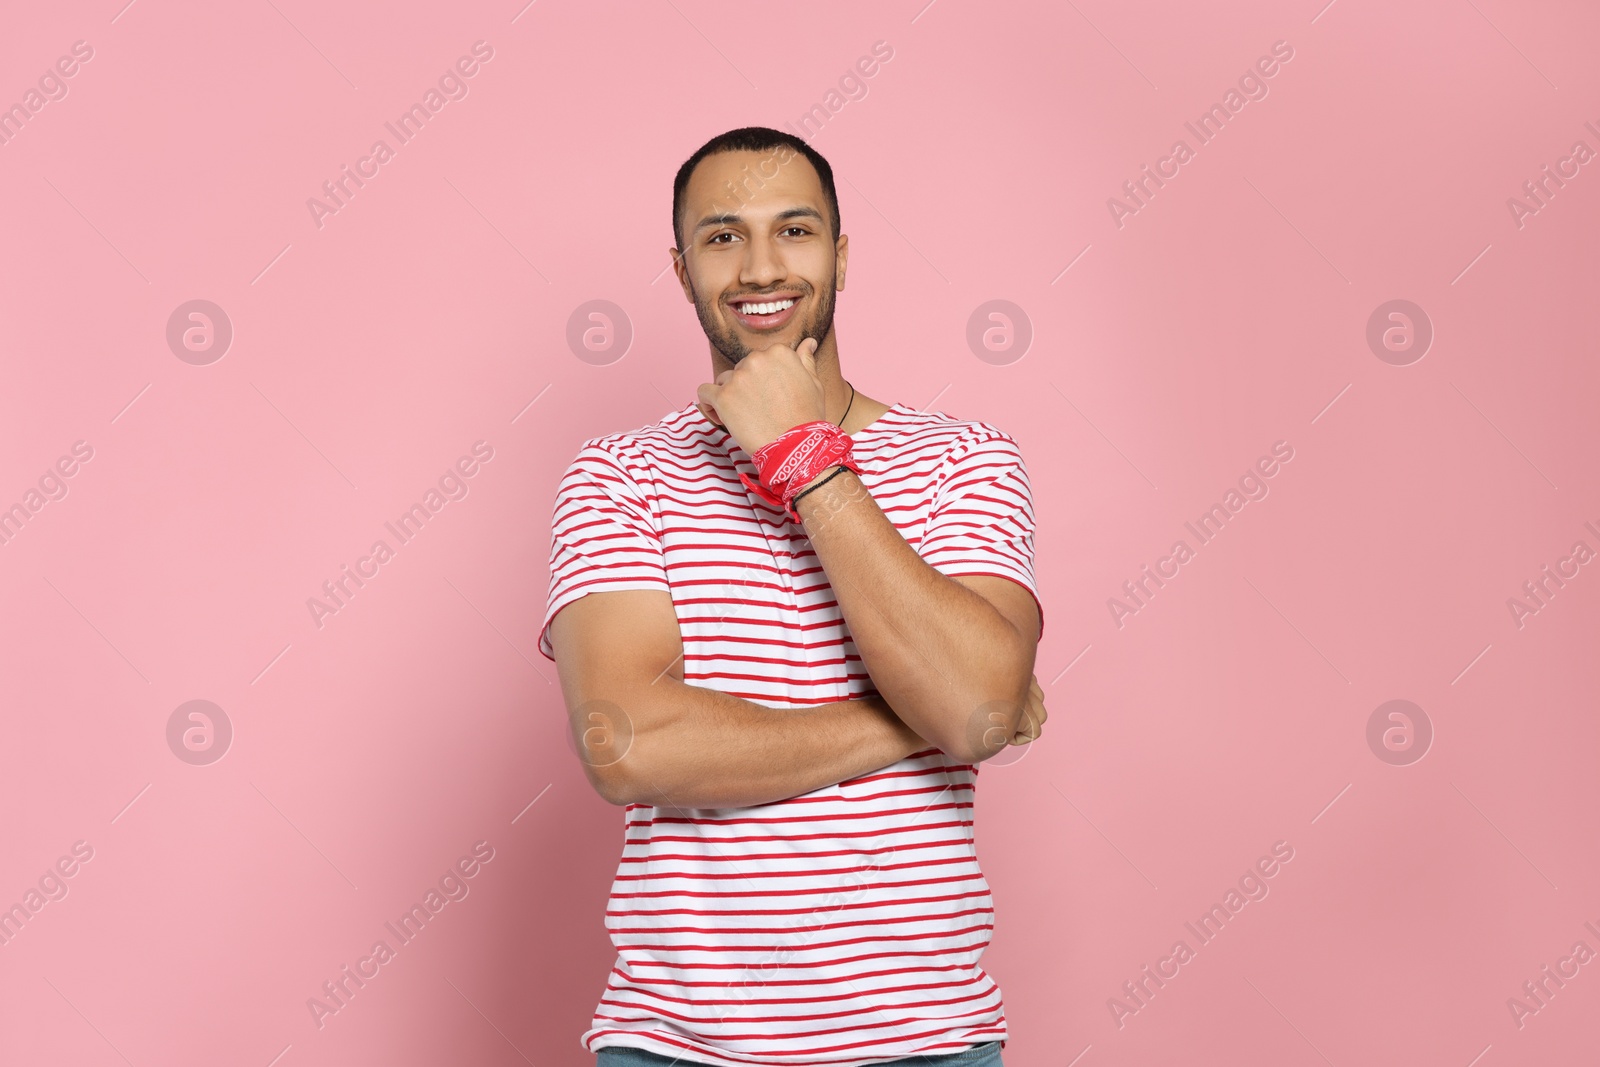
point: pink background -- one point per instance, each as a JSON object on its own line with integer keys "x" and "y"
{"x": 431, "y": 311}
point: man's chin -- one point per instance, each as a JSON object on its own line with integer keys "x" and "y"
{"x": 790, "y": 335}
{"x": 749, "y": 341}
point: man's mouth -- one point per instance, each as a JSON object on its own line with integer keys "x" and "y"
{"x": 765, "y": 313}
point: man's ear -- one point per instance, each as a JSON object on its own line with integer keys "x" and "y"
{"x": 841, "y": 260}
{"x": 681, "y": 269}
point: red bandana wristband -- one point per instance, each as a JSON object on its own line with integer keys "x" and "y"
{"x": 796, "y": 458}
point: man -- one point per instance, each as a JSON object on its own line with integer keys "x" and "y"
{"x": 789, "y": 621}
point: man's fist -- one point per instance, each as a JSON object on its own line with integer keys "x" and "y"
{"x": 771, "y": 391}
{"x": 1033, "y": 716}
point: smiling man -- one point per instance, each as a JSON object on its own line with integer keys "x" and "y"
{"x": 790, "y": 621}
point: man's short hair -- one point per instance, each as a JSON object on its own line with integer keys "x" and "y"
{"x": 752, "y": 139}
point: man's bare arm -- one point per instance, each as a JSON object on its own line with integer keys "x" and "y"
{"x": 647, "y": 737}
{"x": 951, "y": 655}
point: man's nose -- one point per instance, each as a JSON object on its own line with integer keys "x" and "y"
{"x": 762, "y": 264}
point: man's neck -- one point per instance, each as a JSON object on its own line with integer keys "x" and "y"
{"x": 858, "y": 411}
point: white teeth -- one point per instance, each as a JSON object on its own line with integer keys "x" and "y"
{"x": 766, "y": 309}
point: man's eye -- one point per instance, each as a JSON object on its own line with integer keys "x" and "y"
{"x": 801, "y": 229}
{"x": 713, "y": 239}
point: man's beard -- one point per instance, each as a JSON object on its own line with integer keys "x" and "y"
{"x": 733, "y": 349}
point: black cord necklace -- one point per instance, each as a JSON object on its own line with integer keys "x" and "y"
{"x": 847, "y": 407}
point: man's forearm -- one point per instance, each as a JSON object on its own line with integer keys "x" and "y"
{"x": 701, "y": 748}
{"x": 939, "y": 653}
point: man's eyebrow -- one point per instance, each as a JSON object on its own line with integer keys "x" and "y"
{"x": 727, "y": 218}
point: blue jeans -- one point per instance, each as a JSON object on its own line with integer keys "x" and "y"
{"x": 985, "y": 1055}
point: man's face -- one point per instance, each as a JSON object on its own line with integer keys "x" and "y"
{"x": 757, "y": 234}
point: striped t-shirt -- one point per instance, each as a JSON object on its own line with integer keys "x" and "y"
{"x": 843, "y": 926}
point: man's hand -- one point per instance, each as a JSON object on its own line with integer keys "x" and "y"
{"x": 771, "y": 391}
{"x": 1033, "y": 716}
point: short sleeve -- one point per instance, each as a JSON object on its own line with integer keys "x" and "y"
{"x": 982, "y": 521}
{"x": 603, "y": 536}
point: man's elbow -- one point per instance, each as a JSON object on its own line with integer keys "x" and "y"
{"x": 611, "y": 784}
{"x": 986, "y": 734}
{"x": 609, "y": 745}
{"x": 622, "y": 775}
{"x": 990, "y": 721}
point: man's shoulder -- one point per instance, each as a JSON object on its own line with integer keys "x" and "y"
{"x": 938, "y": 430}
{"x": 677, "y": 432}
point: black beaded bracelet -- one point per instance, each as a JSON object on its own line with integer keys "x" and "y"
{"x": 811, "y": 489}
